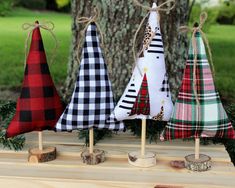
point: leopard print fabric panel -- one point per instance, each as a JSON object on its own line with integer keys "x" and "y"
{"x": 159, "y": 116}
{"x": 149, "y": 34}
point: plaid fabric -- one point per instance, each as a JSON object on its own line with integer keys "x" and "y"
{"x": 141, "y": 105}
{"x": 92, "y": 100}
{"x": 39, "y": 106}
{"x": 165, "y": 85}
{"x": 209, "y": 119}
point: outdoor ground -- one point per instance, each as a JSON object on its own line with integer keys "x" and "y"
{"x": 12, "y": 39}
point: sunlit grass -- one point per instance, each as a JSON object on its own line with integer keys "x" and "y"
{"x": 222, "y": 42}
{"x": 12, "y": 45}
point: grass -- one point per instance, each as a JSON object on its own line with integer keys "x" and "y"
{"x": 12, "y": 41}
{"x": 222, "y": 42}
{"x": 12, "y": 38}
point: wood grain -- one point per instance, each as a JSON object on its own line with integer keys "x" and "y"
{"x": 137, "y": 159}
{"x": 68, "y": 170}
{"x": 39, "y": 155}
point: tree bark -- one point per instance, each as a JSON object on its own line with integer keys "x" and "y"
{"x": 119, "y": 20}
{"x": 175, "y": 43}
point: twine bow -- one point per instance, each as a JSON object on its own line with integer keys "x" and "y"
{"x": 149, "y": 9}
{"x": 47, "y": 25}
{"x": 89, "y": 20}
{"x": 198, "y": 28}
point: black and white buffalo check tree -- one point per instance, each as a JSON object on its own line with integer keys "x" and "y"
{"x": 92, "y": 100}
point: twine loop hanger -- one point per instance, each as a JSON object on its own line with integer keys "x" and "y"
{"x": 198, "y": 28}
{"x": 48, "y": 26}
{"x": 149, "y": 10}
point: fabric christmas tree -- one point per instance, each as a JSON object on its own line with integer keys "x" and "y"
{"x": 141, "y": 105}
{"x": 39, "y": 106}
{"x": 147, "y": 93}
{"x": 206, "y": 118}
{"x": 92, "y": 99}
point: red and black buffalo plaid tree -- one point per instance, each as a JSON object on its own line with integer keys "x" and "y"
{"x": 39, "y": 105}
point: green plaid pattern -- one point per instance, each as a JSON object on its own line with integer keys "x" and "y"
{"x": 209, "y": 119}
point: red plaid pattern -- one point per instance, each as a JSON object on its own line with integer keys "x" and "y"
{"x": 39, "y": 105}
{"x": 141, "y": 105}
{"x": 208, "y": 119}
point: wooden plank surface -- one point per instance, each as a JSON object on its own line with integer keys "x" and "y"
{"x": 68, "y": 170}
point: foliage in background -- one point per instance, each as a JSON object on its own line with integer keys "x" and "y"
{"x": 62, "y": 3}
{"x": 222, "y": 14}
{"x": 230, "y": 109}
{"x": 228, "y": 143}
{"x": 153, "y": 128}
{"x": 196, "y": 11}
{"x": 7, "y": 111}
{"x": 6, "y": 7}
{"x": 99, "y": 134}
{"x": 33, "y": 4}
{"x": 54, "y": 5}
{"x": 226, "y": 14}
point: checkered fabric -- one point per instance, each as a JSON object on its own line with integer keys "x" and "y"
{"x": 208, "y": 119}
{"x": 141, "y": 105}
{"x": 165, "y": 85}
{"x": 92, "y": 100}
{"x": 39, "y": 106}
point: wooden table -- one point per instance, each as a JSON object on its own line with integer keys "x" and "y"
{"x": 68, "y": 170}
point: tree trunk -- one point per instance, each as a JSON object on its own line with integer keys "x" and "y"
{"x": 175, "y": 43}
{"x": 119, "y": 21}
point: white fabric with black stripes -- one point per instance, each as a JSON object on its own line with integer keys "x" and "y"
{"x": 152, "y": 63}
{"x": 92, "y": 100}
{"x": 156, "y": 45}
{"x": 128, "y": 101}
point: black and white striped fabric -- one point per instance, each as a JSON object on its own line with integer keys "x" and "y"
{"x": 156, "y": 45}
{"x": 92, "y": 100}
{"x": 128, "y": 101}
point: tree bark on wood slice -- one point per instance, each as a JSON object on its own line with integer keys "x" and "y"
{"x": 40, "y": 156}
{"x": 98, "y": 156}
{"x": 202, "y": 164}
{"x": 119, "y": 21}
{"x": 135, "y": 159}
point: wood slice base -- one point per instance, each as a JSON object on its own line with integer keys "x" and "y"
{"x": 201, "y": 164}
{"x": 39, "y": 156}
{"x": 98, "y": 156}
{"x": 135, "y": 159}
